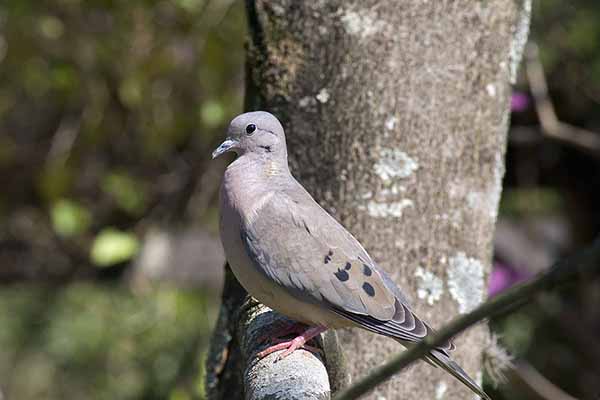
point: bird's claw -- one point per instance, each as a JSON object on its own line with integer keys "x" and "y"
{"x": 281, "y": 330}
{"x": 289, "y": 346}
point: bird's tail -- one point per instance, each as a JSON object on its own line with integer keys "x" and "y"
{"x": 442, "y": 360}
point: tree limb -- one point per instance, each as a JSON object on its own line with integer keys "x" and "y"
{"x": 536, "y": 385}
{"x": 301, "y": 375}
{"x": 586, "y": 262}
{"x": 551, "y": 126}
{"x": 234, "y": 372}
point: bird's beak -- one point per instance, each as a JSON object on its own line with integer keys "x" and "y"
{"x": 227, "y": 145}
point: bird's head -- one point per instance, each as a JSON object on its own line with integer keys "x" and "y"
{"x": 256, "y": 132}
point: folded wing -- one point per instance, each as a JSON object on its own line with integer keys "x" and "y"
{"x": 297, "y": 244}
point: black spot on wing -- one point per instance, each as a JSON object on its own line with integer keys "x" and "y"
{"x": 327, "y": 258}
{"x": 342, "y": 275}
{"x": 369, "y": 290}
{"x": 348, "y": 266}
{"x": 367, "y": 270}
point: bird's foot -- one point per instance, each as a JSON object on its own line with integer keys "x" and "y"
{"x": 299, "y": 342}
{"x": 283, "y": 329}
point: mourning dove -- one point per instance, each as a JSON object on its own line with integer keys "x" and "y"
{"x": 294, "y": 257}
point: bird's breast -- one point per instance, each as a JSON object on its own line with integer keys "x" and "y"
{"x": 232, "y": 221}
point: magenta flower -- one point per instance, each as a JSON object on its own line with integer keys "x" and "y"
{"x": 519, "y": 101}
{"x": 504, "y": 276}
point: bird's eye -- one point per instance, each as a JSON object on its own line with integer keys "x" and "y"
{"x": 250, "y": 128}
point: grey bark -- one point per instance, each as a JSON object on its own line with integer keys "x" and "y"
{"x": 396, "y": 116}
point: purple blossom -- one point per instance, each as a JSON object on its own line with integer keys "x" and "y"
{"x": 519, "y": 101}
{"x": 504, "y": 276}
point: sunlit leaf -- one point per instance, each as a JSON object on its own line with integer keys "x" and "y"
{"x": 69, "y": 218}
{"x": 112, "y": 246}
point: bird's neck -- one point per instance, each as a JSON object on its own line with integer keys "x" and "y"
{"x": 252, "y": 176}
{"x": 250, "y": 182}
{"x": 251, "y": 167}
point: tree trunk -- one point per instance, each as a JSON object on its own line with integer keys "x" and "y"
{"x": 396, "y": 116}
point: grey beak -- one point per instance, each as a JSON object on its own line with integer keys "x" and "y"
{"x": 227, "y": 145}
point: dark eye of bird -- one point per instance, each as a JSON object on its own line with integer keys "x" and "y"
{"x": 250, "y": 128}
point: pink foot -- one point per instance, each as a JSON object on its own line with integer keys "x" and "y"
{"x": 282, "y": 330}
{"x": 298, "y": 342}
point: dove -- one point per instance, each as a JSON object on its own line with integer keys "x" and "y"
{"x": 294, "y": 257}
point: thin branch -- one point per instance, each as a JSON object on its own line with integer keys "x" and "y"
{"x": 586, "y": 262}
{"x": 535, "y": 382}
{"x": 551, "y": 126}
{"x": 64, "y": 139}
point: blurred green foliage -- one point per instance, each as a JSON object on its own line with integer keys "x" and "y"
{"x": 531, "y": 201}
{"x": 112, "y": 246}
{"x": 109, "y": 111}
{"x": 91, "y": 341}
{"x": 128, "y": 193}
{"x": 69, "y": 218}
{"x": 108, "y": 108}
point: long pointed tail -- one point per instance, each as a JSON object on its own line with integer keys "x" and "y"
{"x": 442, "y": 360}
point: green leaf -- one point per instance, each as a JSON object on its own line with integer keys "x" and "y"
{"x": 128, "y": 193}
{"x": 112, "y": 246}
{"x": 69, "y": 218}
{"x": 212, "y": 113}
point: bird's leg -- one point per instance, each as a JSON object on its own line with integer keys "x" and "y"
{"x": 292, "y": 345}
{"x": 283, "y": 329}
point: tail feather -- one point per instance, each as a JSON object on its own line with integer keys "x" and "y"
{"x": 442, "y": 360}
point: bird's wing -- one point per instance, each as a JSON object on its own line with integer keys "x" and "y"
{"x": 298, "y": 245}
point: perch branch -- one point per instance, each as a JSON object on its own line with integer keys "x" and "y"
{"x": 301, "y": 375}
{"x": 233, "y": 363}
{"x": 564, "y": 271}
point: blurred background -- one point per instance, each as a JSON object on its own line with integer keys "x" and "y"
{"x": 110, "y": 265}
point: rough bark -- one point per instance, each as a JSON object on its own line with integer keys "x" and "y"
{"x": 396, "y": 117}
